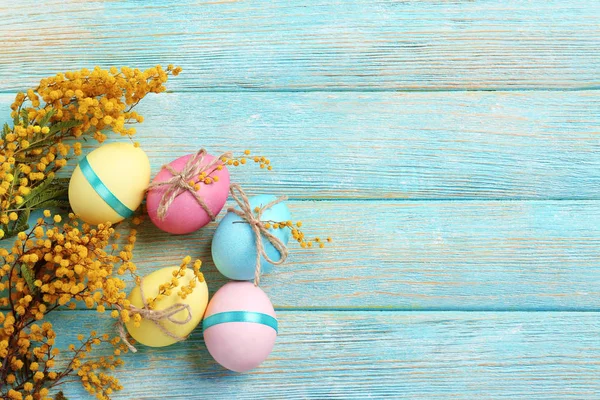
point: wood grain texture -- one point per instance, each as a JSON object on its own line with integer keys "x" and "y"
{"x": 381, "y": 110}
{"x": 361, "y": 355}
{"x": 436, "y": 255}
{"x": 509, "y": 145}
{"x": 312, "y": 45}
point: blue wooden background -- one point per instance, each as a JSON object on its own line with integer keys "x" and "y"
{"x": 452, "y": 150}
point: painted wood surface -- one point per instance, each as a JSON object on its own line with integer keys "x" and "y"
{"x": 358, "y": 355}
{"x": 488, "y": 145}
{"x": 434, "y": 255}
{"x": 451, "y": 150}
{"x": 311, "y": 45}
{"x": 431, "y": 255}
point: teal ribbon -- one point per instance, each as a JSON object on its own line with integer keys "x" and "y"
{"x": 102, "y": 190}
{"x": 239, "y": 316}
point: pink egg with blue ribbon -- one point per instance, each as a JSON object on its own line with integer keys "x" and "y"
{"x": 240, "y": 326}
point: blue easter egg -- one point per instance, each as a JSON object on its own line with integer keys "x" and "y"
{"x": 234, "y": 245}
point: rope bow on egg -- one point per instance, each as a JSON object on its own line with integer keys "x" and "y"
{"x": 258, "y": 228}
{"x": 180, "y": 182}
{"x": 156, "y": 316}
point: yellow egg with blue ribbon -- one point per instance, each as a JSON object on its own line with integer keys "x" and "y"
{"x": 109, "y": 183}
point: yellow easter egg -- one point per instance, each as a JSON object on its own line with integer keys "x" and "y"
{"x": 149, "y": 333}
{"x": 109, "y": 183}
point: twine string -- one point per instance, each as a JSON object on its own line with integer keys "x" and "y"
{"x": 179, "y": 182}
{"x": 155, "y": 316}
{"x": 258, "y": 228}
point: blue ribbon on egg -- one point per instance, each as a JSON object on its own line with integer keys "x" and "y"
{"x": 103, "y": 191}
{"x": 239, "y": 316}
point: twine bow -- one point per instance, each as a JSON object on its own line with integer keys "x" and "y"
{"x": 156, "y": 316}
{"x": 179, "y": 182}
{"x": 258, "y": 228}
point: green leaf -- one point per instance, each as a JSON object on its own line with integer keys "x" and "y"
{"x": 50, "y": 193}
{"x": 44, "y": 121}
{"x": 63, "y": 126}
{"x": 55, "y": 203}
{"x": 21, "y": 224}
{"x": 25, "y": 117}
{"x": 5, "y": 131}
{"x": 39, "y": 189}
{"x": 28, "y": 274}
{"x": 44, "y": 142}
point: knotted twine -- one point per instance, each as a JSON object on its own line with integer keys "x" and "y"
{"x": 258, "y": 228}
{"x": 155, "y": 316}
{"x": 179, "y": 182}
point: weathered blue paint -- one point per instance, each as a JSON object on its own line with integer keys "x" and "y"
{"x": 359, "y": 355}
{"x": 466, "y": 223}
{"x": 311, "y": 44}
{"x": 469, "y": 145}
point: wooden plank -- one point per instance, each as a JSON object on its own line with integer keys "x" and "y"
{"x": 377, "y": 354}
{"x": 422, "y": 256}
{"x": 426, "y": 255}
{"x": 525, "y": 145}
{"x": 313, "y": 45}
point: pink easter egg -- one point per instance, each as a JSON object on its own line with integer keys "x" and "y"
{"x": 185, "y": 214}
{"x": 240, "y": 346}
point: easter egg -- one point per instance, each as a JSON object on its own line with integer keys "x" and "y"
{"x": 185, "y": 214}
{"x": 234, "y": 242}
{"x": 149, "y": 333}
{"x": 240, "y": 326}
{"x": 109, "y": 183}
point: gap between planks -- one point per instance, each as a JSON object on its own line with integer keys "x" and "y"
{"x": 372, "y": 90}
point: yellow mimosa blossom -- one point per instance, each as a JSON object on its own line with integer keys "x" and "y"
{"x": 64, "y": 107}
{"x": 63, "y": 263}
